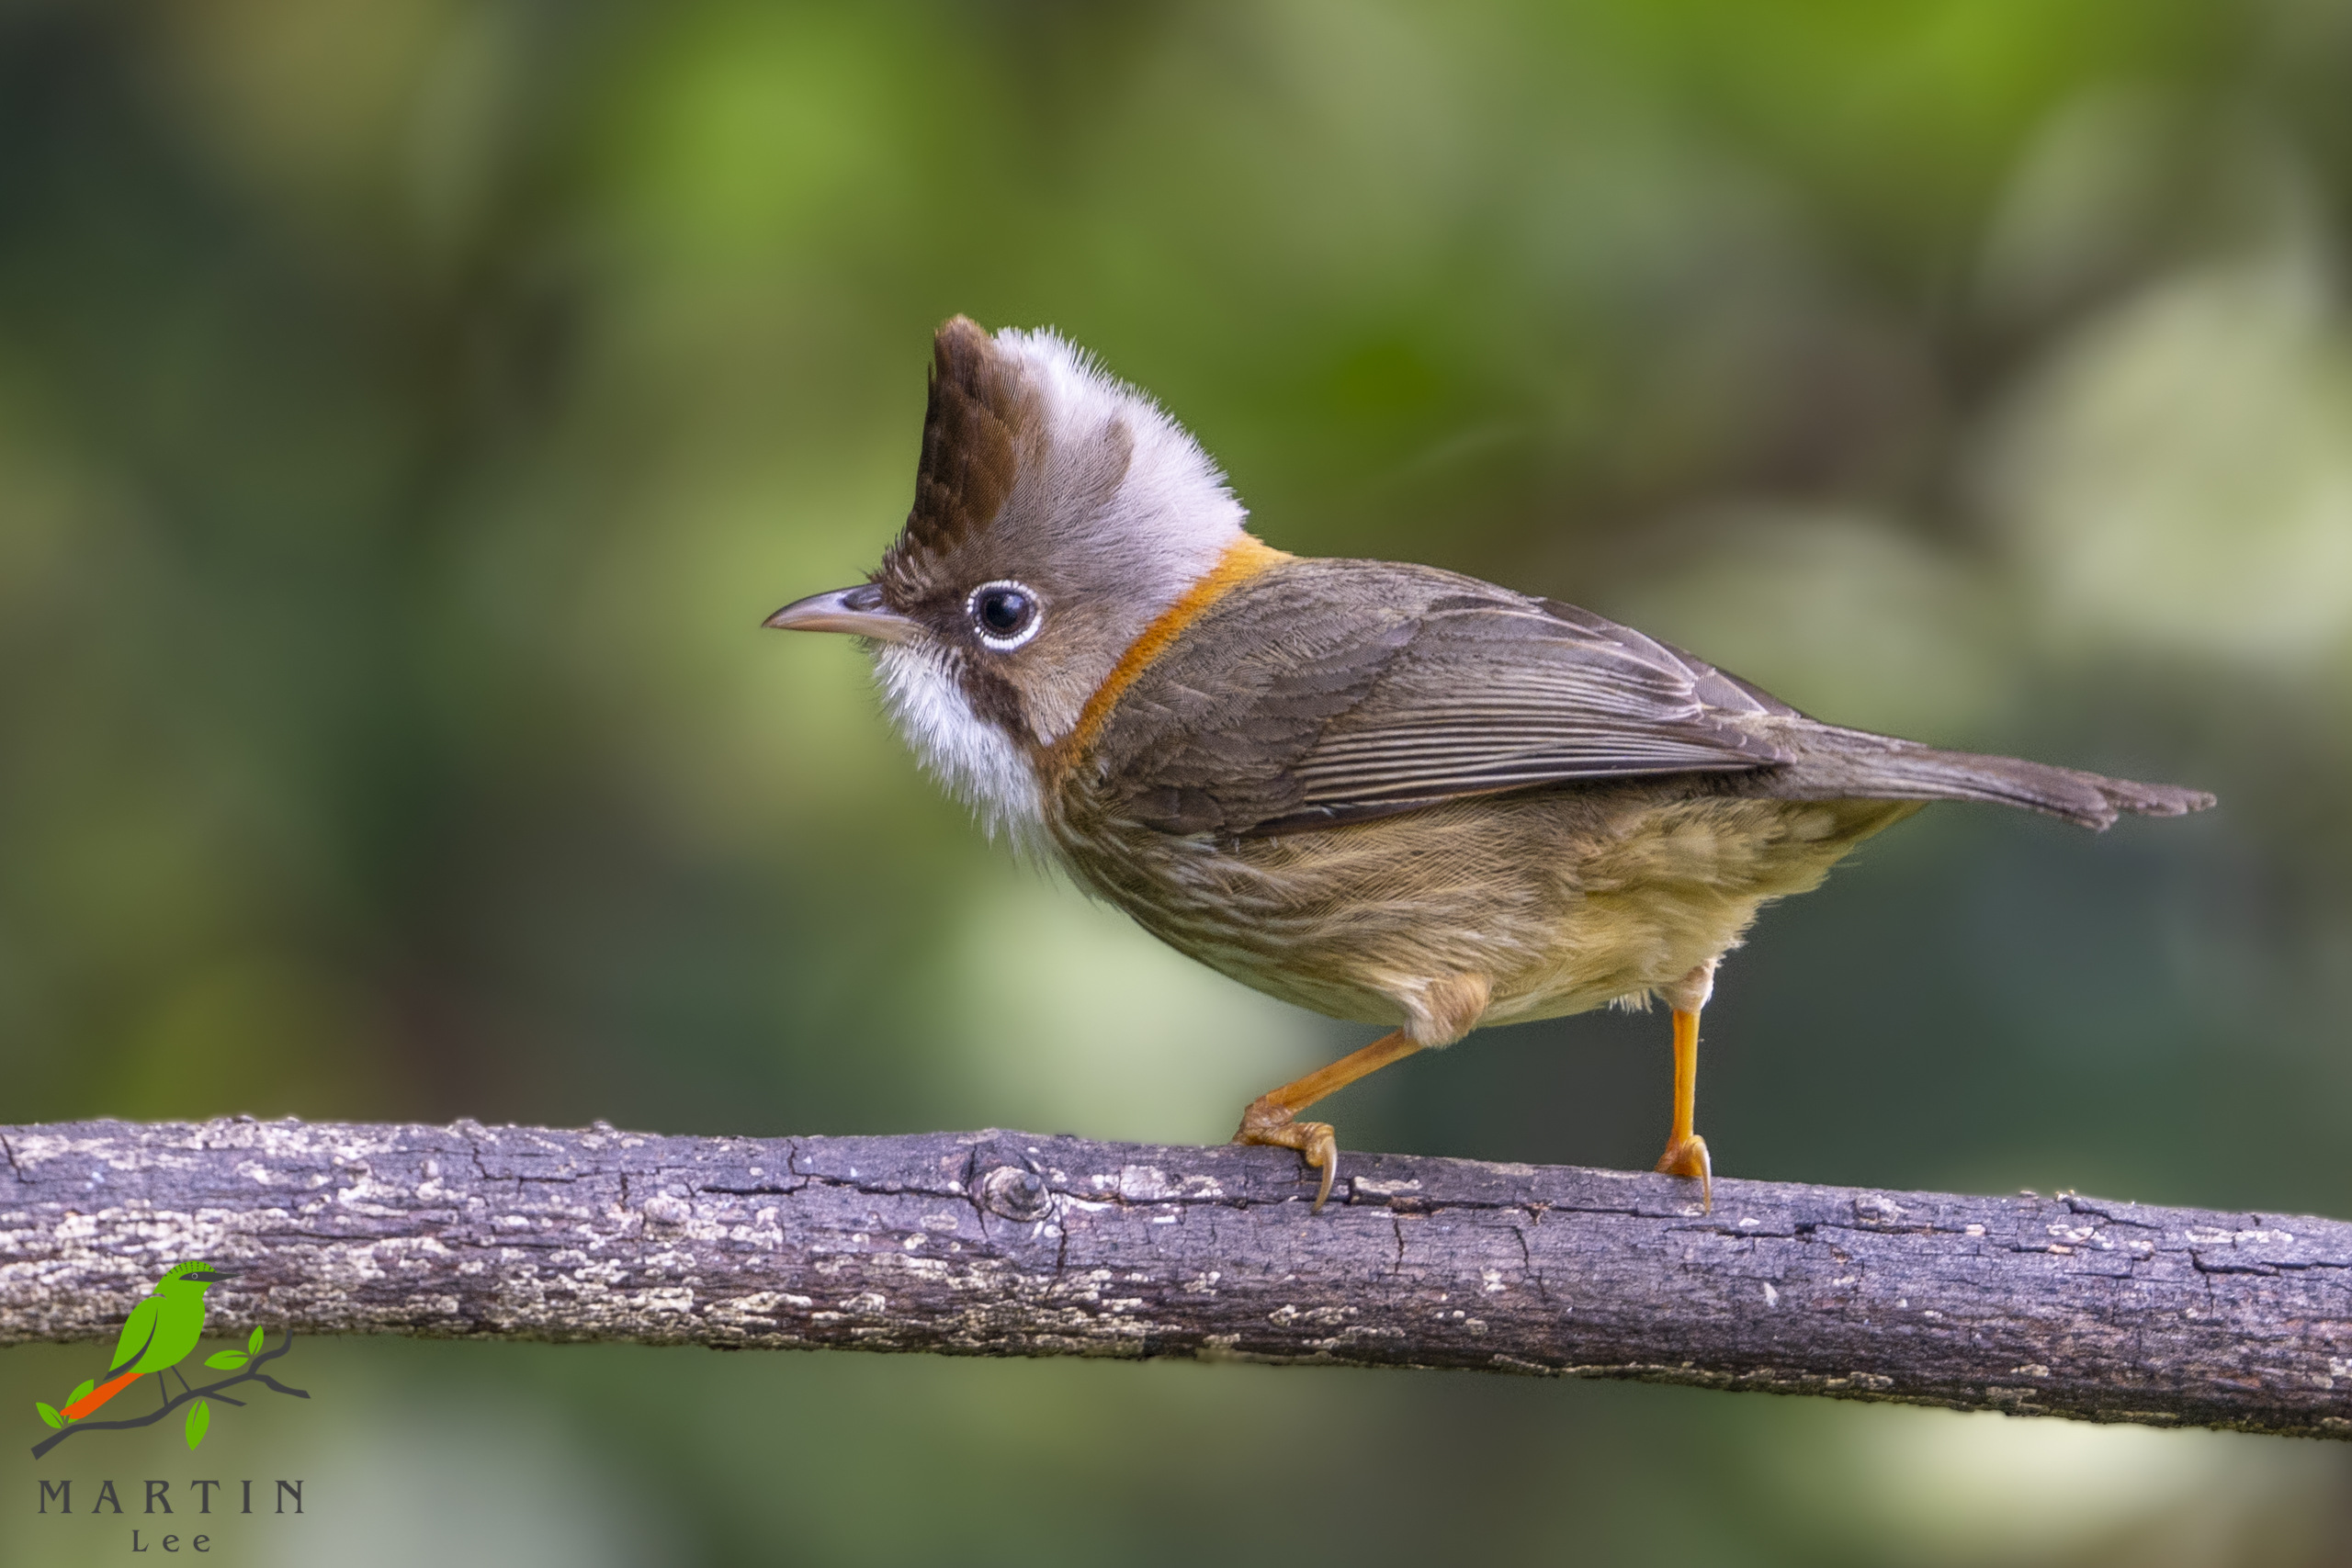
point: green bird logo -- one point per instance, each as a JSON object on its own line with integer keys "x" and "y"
{"x": 160, "y": 1335}
{"x": 163, "y": 1330}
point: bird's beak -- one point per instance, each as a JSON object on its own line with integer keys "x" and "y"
{"x": 858, "y": 611}
{"x": 206, "y": 1276}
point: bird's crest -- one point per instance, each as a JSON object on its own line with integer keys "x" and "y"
{"x": 971, "y": 434}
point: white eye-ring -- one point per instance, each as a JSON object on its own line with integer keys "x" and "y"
{"x": 1004, "y": 614}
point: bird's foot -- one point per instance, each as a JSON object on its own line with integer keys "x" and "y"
{"x": 1687, "y": 1156}
{"x": 1269, "y": 1121}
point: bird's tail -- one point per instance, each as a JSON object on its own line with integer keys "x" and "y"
{"x": 99, "y": 1395}
{"x": 1852, "y": 764}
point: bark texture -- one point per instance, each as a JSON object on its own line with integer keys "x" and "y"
{"x": 1006, "y": 1244}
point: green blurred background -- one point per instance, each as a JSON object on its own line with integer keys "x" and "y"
{"x": 408, "y": 410}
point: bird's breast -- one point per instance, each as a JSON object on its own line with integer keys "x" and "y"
{"x": 1562, "y": 900}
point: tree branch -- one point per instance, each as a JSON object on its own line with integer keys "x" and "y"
{"x": 1004, "y": 1243}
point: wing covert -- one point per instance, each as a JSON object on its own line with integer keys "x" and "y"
{"x": 1332, "y": 691}
{"x": 138, "y": 1332}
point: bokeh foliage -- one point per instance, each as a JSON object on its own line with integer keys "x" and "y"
{"x": 409, "y": 408}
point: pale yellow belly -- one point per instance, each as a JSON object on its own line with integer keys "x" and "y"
{"x": 1555, "y": 903}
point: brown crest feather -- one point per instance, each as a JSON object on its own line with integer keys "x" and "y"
{"x": 970, "y": 440}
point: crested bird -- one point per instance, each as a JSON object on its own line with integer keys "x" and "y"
{"x": 1385, "y": 791}
{"x": 159, "y": 1333}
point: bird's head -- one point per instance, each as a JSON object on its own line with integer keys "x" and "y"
{"x": 191, "y": 1276}
{"x": 1057, "y": 514}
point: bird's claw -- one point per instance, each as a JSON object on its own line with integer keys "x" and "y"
{"x": 1688, "y": 1158}
{"x": 1270, "y": 1123}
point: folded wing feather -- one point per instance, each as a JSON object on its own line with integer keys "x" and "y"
{"x": 1324, "y": 692}
{"x": 1332, "y": 691}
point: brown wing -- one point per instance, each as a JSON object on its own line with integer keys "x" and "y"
{"x": 1330, "y": 691}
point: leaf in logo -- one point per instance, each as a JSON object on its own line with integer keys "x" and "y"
{"x": 84, "y": 1386}
{"x": 49, "y": 1414}
{"x": 225, "y": 1361}
{"x": 253, "y": 1343}
{"x": 199, "y": 1416}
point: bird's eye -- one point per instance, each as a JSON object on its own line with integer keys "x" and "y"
{"x": 1004, "y": 614}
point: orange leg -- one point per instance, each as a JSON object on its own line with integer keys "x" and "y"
{"x": 1686, "y": 1152}
{"x": 1269, "y": 1119}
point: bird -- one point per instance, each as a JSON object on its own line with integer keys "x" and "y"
{"x": 160, "y": 1333}
{"x": 1388, "y": 793}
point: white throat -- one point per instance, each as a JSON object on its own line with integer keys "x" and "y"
{"x": 976, "y": 761}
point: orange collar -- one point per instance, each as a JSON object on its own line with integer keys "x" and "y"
{"x": 1243, "y": 559}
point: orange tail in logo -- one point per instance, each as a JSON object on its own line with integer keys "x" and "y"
{"x": 98, "y": 1396}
